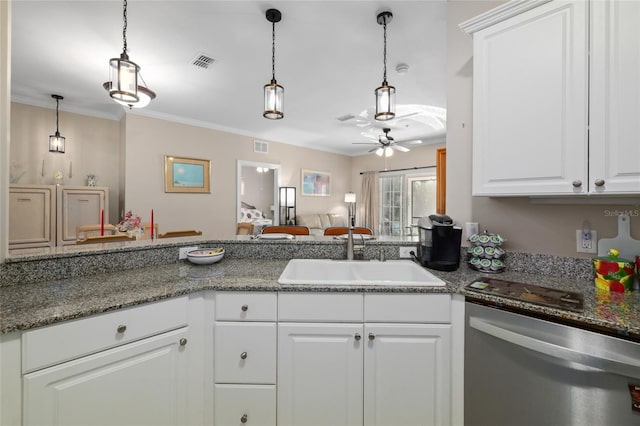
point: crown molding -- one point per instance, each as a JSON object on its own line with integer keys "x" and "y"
{"x": 499, "y": 14}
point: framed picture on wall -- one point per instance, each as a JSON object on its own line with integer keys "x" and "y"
{"x": 315, "y": 183}
{"x": 188, "y": 175}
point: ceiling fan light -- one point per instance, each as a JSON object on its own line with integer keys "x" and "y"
{"x": 388, "y": 152}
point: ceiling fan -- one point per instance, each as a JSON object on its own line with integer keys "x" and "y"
{"x": 386, "y": 144}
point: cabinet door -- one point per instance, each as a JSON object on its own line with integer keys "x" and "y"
{"x": 141, "y": 383}
{"x": 79, "y": 206}
{"x": 407, "y": 375}
{"x": 31, "y": 216}
{"x": 614, "y": 151}
{"x": 320, "y": 374}
{"x": 530, "y": 86}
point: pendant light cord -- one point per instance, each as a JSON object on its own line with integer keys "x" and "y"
{"x": 57, "y": 105}
{"x": 384, "y": 73}
{"x": 273, "y": 52}
{"x": 124, "y": 27}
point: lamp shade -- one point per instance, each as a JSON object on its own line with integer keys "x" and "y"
{"x": 350, "y": 197}
{"x": 145, "y": 96}
{"x": 273, "y": 101}
{"x": 123, "y": 78}
{"x": 385, "y": 102}
{"x": 56, "y": 143}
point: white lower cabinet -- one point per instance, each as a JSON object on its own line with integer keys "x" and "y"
{"x": 140, "y": 383}
{"x": 406, "y": 374}
{"x": 320, "y": 369}
{"x": 245, "y": 358}
{"x": 365, "y": 373}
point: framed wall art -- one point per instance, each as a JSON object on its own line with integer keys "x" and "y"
{"x": 315, "y": 183}
{"x": 188, "y": 175}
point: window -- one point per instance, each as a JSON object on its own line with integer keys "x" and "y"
{"x": 405, "y": 198}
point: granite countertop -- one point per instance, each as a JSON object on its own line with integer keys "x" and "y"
{"x": 38, "y": 304}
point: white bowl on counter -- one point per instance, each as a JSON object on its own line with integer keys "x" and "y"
{"x": 205, "y": 256}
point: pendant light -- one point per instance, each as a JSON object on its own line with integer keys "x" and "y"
{"x": 385, "y": 94}
{"x": 273, "y": 92}
{"x": 123, "y": 85}
{"x": 56, "y": 142}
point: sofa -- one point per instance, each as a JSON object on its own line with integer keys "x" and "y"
{"x": 318, "y": 222}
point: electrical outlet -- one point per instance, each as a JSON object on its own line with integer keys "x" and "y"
{"x": 405, "y": 252}
{"x": 184, "y": 251}
{"x": 586, "y": 242}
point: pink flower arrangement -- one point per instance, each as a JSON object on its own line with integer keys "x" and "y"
{"x": 130, "y": 222}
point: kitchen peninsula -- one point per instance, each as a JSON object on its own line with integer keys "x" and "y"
{"x": 140, "y": 298}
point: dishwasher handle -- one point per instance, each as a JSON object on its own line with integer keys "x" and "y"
{"x": 628, "y": 367}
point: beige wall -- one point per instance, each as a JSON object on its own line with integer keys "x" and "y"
{"x": 92, "y": 147}
{"x": 527, "y": 227}
{"x": 149, "y": 139}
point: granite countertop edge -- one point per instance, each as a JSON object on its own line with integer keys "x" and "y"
{"x": 34, "y": 305}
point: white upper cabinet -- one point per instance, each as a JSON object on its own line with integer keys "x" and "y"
{"x": 614, "y": 145}
{"x": 536, "y": 92}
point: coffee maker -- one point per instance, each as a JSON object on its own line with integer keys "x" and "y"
{"x": 439, "y": 246}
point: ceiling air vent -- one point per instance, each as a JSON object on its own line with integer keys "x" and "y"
{"x": 202, "y": 61}
{"x": 261, "y": 147}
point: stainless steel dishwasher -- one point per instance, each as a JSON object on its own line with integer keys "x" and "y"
{"x": 522, "y": 371}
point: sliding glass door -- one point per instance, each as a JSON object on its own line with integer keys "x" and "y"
{"x": 405, "y": 198}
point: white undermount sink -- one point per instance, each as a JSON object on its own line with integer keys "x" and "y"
{"x": 358, "y": 272}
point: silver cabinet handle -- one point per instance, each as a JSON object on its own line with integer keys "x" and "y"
{"x": 576, "y": 183}
{"x": 599, "y": 182}
{"x": 243, "y": 355}
{"x": 183, "y": 342}
{"x": 372, "y": 336}
{"x": 357, "y": 337}
{"x": 121, "y": 328}
{"x": 244, "y": 418}
{"x": 245, "y": 308}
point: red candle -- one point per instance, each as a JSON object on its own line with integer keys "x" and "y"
{"x": 151, "y": 224}
{"x": 101, "y": 222}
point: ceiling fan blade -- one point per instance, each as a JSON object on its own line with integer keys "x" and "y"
{"x": 400, "y": 148}
{"x": 364, "y": 143}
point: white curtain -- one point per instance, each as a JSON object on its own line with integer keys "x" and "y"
{"x": 371, "y": 201}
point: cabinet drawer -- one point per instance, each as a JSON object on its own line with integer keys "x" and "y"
{"x": 245, "y": 353}
{"x": 57, "y": 343}
{"x": 245, "y": 405}
{"x": 419, "y": 308}
{"x": 246, "y": 306}
{"x": 324, "y": 307}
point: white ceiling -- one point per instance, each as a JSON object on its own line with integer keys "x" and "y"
{"x": 328, "y": 58}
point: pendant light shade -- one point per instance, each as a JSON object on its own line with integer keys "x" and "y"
{"x": 126, "y": 86}
{"x": 273, "y": 92}
{"x": 123, "y": 79}
{"x": 57, "y": 142}
{"x": 385, "y": 94}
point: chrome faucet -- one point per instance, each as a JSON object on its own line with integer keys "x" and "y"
{"x": 350, "y": 243}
